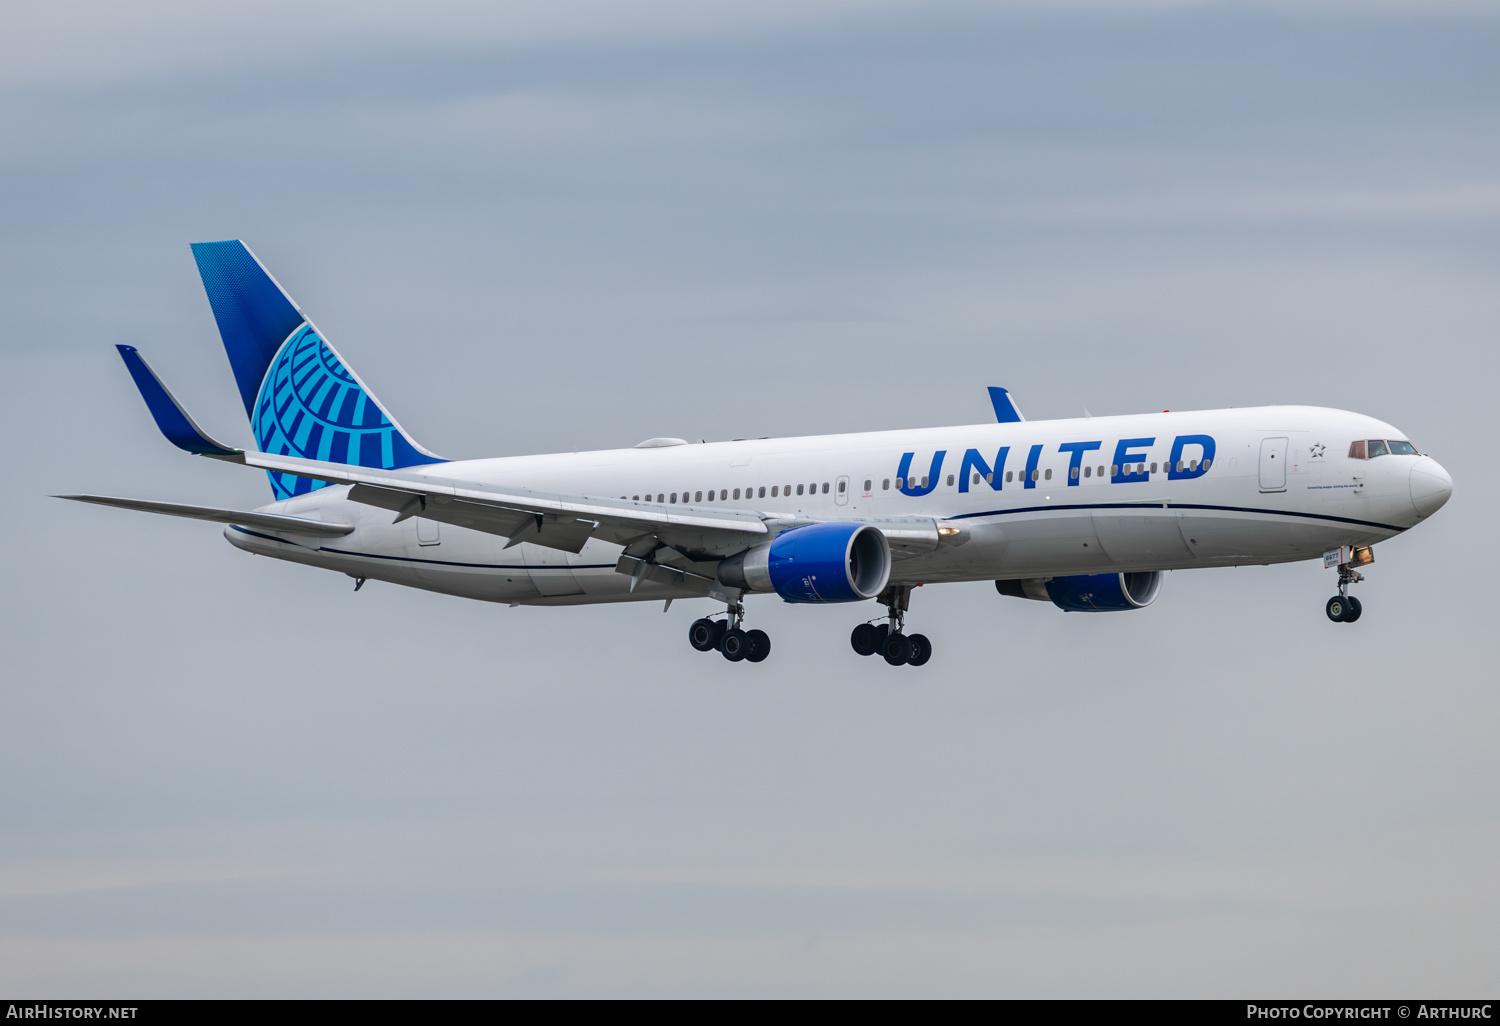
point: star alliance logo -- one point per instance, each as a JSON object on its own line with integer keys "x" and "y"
{"x": 1318, "y": 450}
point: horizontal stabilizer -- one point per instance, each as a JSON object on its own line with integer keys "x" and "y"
{"x": 168, "y": 412}
{"x": 265, "y": 521}
{"x": 1006, "y": 411}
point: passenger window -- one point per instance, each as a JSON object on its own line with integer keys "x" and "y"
{"x": 696, "y": 498}
{"x": 1377, "y": 448}
{"x": 1153, "y": 468}
{"x": 674, "y": 496}
{"x": 799, "y": 489}
{"x": 1206, "y": 464}
{"x": 825, "y": 487}
{"x": 924, "y": 480}
{"x": 976, "y": 478}
{"x": 1357, "y": 450}
{"x": 989, "y": 479}
{"x": 1193, "y": 465}
{"x": 736, "y": 493}
{"x": 1088, "y": 471}
{"x": 1073, "y": 473}
{"x": 1048, "y": 474}
{"x": 885, "y": 485}
{"x": 1010, "y": 475}
{"x": 786, "y": 490}
{"x": 868, "y": 482}
{"x": 1035, "y": 474}
{"x": 1114, "y": 470}
{"x": 660, "y": 497}
{"x": 898, "y": 482}
{"x": 775, "y": 490}
{"x": 1404, "y": 449}
{"x": 841, "y": 487}
{"x": 950, "y": 480}
{"x": 1180, "y": 466}
{"x": 762, "y": 491}
{"x": 637, "y": 498}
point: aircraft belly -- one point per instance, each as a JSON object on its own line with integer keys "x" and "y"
{"x": 1145, "y": 536}
{"x": 1060, "y": 543}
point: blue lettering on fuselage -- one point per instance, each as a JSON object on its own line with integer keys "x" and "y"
{"x": 1124, "y": 458}
{"x": 910, "y": 487}
{"x": 974, "y": 462}
{"x": 1178, "y": 469}
{"x": 1077, "y": 449}
{"x": 1129, "y": 454}
{"x": 1032, "y": 459}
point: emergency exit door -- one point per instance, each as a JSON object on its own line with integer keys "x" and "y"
{"x": 1273, "y": 465}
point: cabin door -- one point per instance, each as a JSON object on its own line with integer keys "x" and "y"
{"x": 1273, "y": 465}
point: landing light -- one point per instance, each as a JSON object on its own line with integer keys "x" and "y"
{"x": 946, "y": 531}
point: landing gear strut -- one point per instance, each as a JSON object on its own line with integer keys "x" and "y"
{"x": 726, "y": 635}
{"x": 1344, "y": 607}
{"x": 889, "y": 639}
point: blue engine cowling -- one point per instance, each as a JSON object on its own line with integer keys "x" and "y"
{"x": 817, "y": 563}
{"x": 1089, "y": 593}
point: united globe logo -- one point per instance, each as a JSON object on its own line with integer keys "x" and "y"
{"x": 311, "y": 406}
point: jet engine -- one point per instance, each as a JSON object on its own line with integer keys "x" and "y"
{"x": 1089, "y": 593}
{"x": 817, "y": 563}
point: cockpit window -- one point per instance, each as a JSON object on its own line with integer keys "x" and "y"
{"x": 1369, "y": 448}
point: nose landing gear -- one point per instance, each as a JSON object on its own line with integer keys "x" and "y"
{"x": 735, "y": 644}
{"x": 895, "y": 646}
{"x": 1344, "y": 607}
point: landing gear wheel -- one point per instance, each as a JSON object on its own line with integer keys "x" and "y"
{"x": 896, "y": 649}
{"x": 704, "y": 634}
{"x": 760, "y": 645}
{"x": 921, "y": 650}
{"x": 866, "y": 639}
{"x": 1354, "y": 610}
{"x": 1338, "y": 609}
{"x": 736, "y": 645}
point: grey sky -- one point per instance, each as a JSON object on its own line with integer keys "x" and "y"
{"x": 539, "y": 228}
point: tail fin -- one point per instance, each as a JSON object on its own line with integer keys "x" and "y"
{"x": 302, "y": 398}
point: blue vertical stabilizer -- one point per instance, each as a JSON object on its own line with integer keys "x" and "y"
{"x": 302, "y": 398}
{"x": 1005, "y": 407}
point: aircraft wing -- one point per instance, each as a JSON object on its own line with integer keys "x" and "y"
{"x": 563, "y": 522}
{"x": 265, "y": 521}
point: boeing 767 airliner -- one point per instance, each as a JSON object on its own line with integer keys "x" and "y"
{"x": 1086, "y": 514}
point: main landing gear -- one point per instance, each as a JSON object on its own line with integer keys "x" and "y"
{"x": 898, "y": 648}
{"x": 726, "y": 635}
{"x": 1344, "y": 607}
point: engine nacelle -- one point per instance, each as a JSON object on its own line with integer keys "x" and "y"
{"x": 817, "y": 563}
{"x": 1089, "y": 593}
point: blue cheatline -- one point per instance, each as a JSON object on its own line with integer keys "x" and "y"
{"x": 301, "y": 397}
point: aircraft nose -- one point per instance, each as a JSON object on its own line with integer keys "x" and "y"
{"x": 1430, "y": 486}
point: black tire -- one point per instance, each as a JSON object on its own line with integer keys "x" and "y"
{"x": 760, "y": 645}
{"x": 921, "y": 650}
{"x": 1337, "y": 609}
{"x": 865, "y": 639}
{"x": 1354, "y": 610}
{"x": 736, "y": 645}
{"x": 720, "y": 626}
{"x": 896, "y": 649}
{"x": 704, "y": 634}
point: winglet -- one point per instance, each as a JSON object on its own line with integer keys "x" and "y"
{"x": 168, "y": 412}
{"x": 1005, "y": 407}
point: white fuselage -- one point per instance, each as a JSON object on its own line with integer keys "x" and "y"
{"x": 1280, "y": 487}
